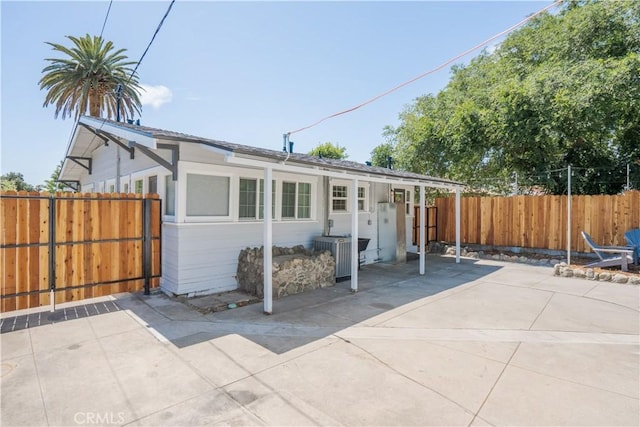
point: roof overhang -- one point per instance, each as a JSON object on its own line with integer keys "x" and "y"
{"x": 89, "y": 134}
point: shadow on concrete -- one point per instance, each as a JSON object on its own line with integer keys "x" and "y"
{"x": 303, "y": 318}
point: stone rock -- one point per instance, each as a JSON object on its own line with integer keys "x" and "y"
{"x": 474, "y": 255}
{"x": 604, "y": 277}
{"x": 496, "y": 257}
{"x": 590, "y": 274}
{"x": 554, "y": 262}
{"x": 450, "y": 251}
{"x": 543, "y": 261}
{"x": 567, "y": 272}
{"x": 579, "y": 273}
{"x": 634, "y": 280}
{"x": 619, "y": 278}
{"x": 294, "y": 270}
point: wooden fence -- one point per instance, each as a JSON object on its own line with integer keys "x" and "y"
{"x": 79, "y": 245}
{"x": 540, "y": 221}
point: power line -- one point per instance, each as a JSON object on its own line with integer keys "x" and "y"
{"x": 438, "y": 68}
{"x": 105, "y": 18}
{"x": 152, "y": 39}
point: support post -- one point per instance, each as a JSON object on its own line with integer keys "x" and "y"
{"x": 423, "y": 220}
{"x": 457, "y": 225}
{"x": 268, "y": 242}
{"x": 52, "y": 252}
{"x": 355, "y": 261}
{"x": 146, "y": 244}
{"x": 569, "y": 215}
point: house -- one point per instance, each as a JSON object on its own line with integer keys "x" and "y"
{"x": 216, "y": 197}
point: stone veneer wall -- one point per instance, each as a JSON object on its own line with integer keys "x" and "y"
{"x": 295, "y": 270}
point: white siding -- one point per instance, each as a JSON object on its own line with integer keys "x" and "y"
{"x": 203, "y": 258}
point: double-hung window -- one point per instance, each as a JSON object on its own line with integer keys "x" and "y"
{"x": 362, "y": 199}
{"x": 339, "y": 198}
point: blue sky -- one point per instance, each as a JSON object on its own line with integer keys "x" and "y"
{"x": 244, "y": 72}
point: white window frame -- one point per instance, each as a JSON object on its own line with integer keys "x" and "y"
{"x": 345, "y": 198}
{"x": 296, "y": 206}
{"x": 364, "y": 199}
{"x": 232, "y": 199}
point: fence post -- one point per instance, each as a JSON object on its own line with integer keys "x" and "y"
{"x": 52, "y": 252}
{"x": 569, "y": 215}
{"x": 146, "y": 243}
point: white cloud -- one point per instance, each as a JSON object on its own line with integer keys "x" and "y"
{"x": 155, "y": 95}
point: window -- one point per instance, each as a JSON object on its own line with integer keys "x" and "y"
{"x": 112, "y": 188}
{"x": 362, "y": 199}
{"x": 125, "y": 187}
{"x": 152, "y": 184}
{"x": 273, "y": 199}
{"x": 288, "y": 200}
{"x": 296, "y": 200}
{"x": 248, "y": 193}
{"x": 339, "y": 201}
{"x": 304, "y": 200}
{"x": 408, "y": 204}
{"x": 207, "y": 195}
{"x": 138, "y": 186}
{"x": 169, "y": 195}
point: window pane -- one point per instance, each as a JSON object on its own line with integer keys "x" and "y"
{"x": 304, "y": 200}
{"x": 360, "y": 205}
{"x": 273, "y": 200}
{"x": 138, "y": 186}
{"x": 153, "y": 184}
{"x": 361, "y": 193}
{"x": 339, "y": 191}
{"x": 207, "y": 195}
{"x": 288, "y": 199}
{"x": 169, "y": 196}
{"x": 247, "y": 207}
{"x": 339, "y": 205}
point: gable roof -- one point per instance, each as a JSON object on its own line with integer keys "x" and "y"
{"x": 84, "y": 141}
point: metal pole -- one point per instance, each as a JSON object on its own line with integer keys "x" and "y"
{"x": 268, "y": 242}
{"x": 52, "y": 252}
{"x": 569, "y": 215}
{"x": 423, "y": 220}
{"x": 146, "y": 244}
{"x": 355, "y": 259}
{"x": 457, "y": 225}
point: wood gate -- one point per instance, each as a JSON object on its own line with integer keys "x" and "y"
{"x": 431, "y": 224}
{"x": 76, "y": 246}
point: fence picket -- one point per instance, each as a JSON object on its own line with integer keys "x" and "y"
{"x": 540, "y": 221}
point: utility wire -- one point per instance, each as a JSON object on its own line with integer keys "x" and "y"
{"x": 152, "y": 39}
{"x": 105, "y": 18}
{"x": 438, "y": 68}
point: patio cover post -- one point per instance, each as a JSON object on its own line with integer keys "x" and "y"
{"x": 268, "y": 241}
{"x": 457, "y": 225}
{"x": 422, "y": 237}
{"x": 355, "y": 261}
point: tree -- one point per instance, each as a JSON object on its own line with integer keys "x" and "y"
{"x": 52, "y": 185}
{"x": 329, "y": 151}
{"x": 381, "y": 153}
{"x": 14, "y": 181}
{"x": 563, "y": 90}
{"x": 86, "y": 80}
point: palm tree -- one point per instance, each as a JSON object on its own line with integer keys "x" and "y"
{"x": 87, "y": 80}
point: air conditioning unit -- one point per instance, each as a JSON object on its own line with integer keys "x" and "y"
{"x": 340, "y": 248}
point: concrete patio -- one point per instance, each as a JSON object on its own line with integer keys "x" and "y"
{"x": 479, "y": 343}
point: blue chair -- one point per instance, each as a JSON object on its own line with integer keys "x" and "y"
{"x": 633, "y": 239}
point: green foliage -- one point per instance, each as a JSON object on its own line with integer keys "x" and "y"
{"x": 14, "y": 181}
{"x": 564, "y": 89}
{"x": 85, "y": 80}
{"x": 380, "y": 154}
{"x": 329, "y": 151}
{"x": 52, "y": 185}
